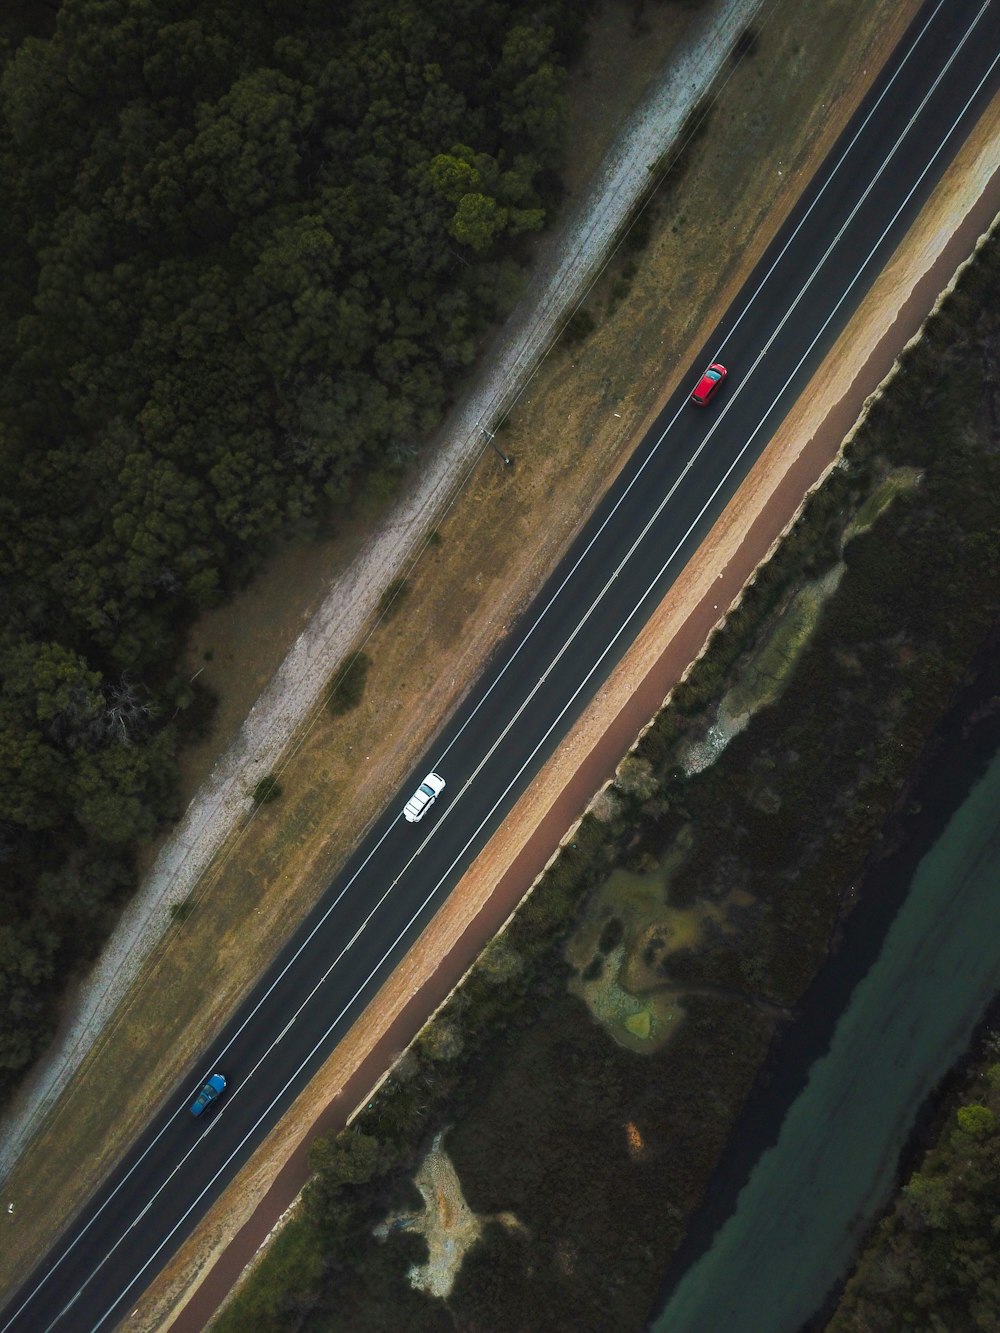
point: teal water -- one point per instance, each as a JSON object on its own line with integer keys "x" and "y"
{"x": 808, "y": 1200}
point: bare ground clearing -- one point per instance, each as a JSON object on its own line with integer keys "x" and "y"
{"x": 569, "y": 443}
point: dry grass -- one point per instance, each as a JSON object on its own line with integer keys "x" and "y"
{"x": 780, "y": 110}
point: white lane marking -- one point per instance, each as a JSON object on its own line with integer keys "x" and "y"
{"x": 624, "y": 625}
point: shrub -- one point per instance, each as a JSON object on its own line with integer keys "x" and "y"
{"x": 267, "y": 789}
{"x": 349, "y": 688}
{"x": 393, "y": 597}
{"x": 746, "y": 44}
{"x": 635, "y": 777}
{"x": 979, "y": 1122}
{"x": 579, "y": 327}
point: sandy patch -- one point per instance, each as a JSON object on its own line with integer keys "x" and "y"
{"x": 447, "y": 1223}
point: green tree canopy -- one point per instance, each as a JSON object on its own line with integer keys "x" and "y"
{"x": 246, "y": 250}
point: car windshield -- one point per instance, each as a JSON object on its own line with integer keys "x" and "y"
{"x": 427, "y": 791}
{"x": 712, "y": 375}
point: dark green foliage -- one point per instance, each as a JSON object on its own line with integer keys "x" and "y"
{"x": 393, "y": 598}
{"x": 675, "y": 162}
{"x": 547, "y": 1139}
{"x": 295, "y": 1263}
{"x": 181, "y": 912}
{"x": 349, "y": 689}
{"x": 933, "y": 1261}
{"x": 639, "y": 229}
{"x": 246, "y": 252}
{"x": 579, "y": 327}
{"x": 746, "y": 44}
{"x": 267, "y": 789}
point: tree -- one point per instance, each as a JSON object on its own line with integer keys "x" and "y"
{"x": 26, "y": 965}
{"x": 32, "y": 778}
{"x": 478, "y": 221}
{"x": 978, "y": 1121}
{"x": 246, "y": 151}
{"x": 453, "y": 175}
{"x": 930, "y": 1198}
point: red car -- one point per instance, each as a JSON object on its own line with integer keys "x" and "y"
{"x": 708, "y": 386}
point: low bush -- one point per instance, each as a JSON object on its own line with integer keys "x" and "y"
{"x": 349, "y": 685}
{"x": 393, "y": 598}
{"x": 267, "y": 789}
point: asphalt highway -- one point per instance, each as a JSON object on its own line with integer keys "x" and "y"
{"x": 552, "y": 662}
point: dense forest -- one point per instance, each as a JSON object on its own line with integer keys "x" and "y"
{"x": 247, "y": 250}
{"x": 933, "y": 1261}
{"x": 584, "y": 1153}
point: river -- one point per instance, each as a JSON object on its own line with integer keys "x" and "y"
{"x": 792, "y": 1232}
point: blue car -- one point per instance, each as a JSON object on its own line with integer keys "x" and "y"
{"x": 208, "y": 1094}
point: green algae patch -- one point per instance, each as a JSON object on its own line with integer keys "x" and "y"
{"x": 640, "y": 1022}
{"x": 622, "y": 947}
{"x": 639, "y": 1025}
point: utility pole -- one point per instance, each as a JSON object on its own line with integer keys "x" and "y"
{"x": 490, "y": 438}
